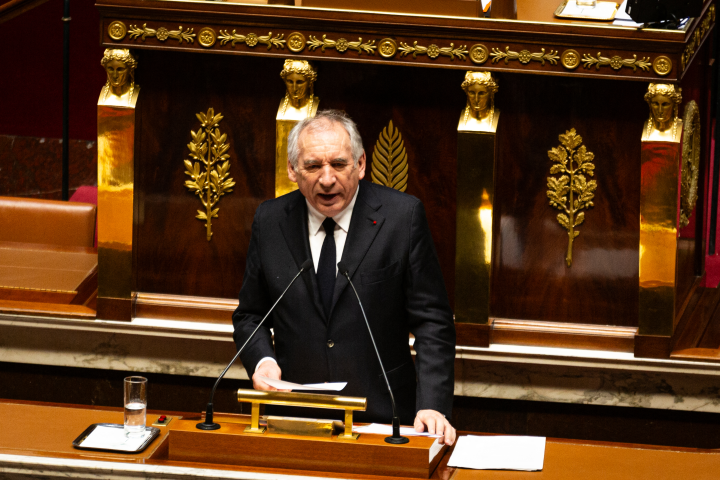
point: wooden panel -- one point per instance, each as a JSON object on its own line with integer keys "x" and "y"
{"x": 651, "y": 346}
{"x": 473, "y": 334}
{"x": 38, "y": 309}
{"x": 178, "y": 307}
{"x": 173, "y": 255}
{"x": 530, "y": 278}
{"x": 369, "y": 454}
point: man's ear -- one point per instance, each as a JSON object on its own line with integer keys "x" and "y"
{"x": 292, "y": 175}
{"x": 361, "y": 166}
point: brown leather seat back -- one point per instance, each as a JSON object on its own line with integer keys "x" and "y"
{"x": 29, "y": 220}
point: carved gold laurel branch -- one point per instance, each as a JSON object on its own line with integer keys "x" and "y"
{"x": 690, "y": 169}
{"x": 571, "y": 192}
{"x": 390, "y": 165}
{"x": 212, "y": 183}
{"x": 162, "y": 33}
{"x": 616, "y": 63}
{"x": 524, "y": 56}
{"x": 341, "y": 44}
{"x": 251, "y": 39}
{"x": 433, "y": 51}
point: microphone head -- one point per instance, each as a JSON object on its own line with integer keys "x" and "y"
{"x": 307, "y": 264}
{"x": 342, "y": 268}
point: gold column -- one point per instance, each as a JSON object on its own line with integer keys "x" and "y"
{"x": 659, "y": 211}
{"x": 116, "y": 146}
{"x": 298, "y": 104}
{"x": 477, "y": 149}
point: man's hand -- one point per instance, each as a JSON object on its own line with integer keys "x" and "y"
{"x": 267, "y": 369}
{"x": 436, "y": 423}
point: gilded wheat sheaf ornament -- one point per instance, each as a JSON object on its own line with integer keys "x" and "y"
{"x": 209, "y": 147}
{"x": 390, "y": 165}
{"x": 571, "y": 192}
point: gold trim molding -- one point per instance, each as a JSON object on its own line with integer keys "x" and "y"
{"x": 341, "y": 45}
{"x": 524, "y": 56}
{"x": 162, "y": 33}
{"x": 690, "y": 169}
{"x": 570, "y": 184}
{"x": 698, "y": 36}
{"x": 433, "y": 51}
{"x": 213, "y": 183}
{"x": 390, "y": 162}
{"x": 252, "y": 39}
{"x": 615, "y": 62}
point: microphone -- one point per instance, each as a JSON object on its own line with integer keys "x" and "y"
{"x": 208, "y": 424}
{"x": 395, "y": 438}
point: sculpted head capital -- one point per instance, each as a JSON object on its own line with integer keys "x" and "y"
{"x": 299, "y": 77}
{"x": 120, "y": 65}
{"x": 480, "y": 88}
{"x": 663, "y": 100}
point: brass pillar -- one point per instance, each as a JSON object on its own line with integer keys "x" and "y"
{"x": 477, "y": 151}
{"x": 116, "y": 147}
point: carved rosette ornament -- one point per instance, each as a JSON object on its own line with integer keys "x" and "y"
{"x": 690, "y": 169}
{"x": 479, "y": 53}
{"x": 571, "y": 192}
{"x": 387, "y": 48}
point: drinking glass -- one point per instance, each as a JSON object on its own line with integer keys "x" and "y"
{"x": 135, "y": 405}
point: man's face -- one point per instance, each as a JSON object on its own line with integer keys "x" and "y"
{"x": 662, "y": 108}
{"x": 296, "y": 85}
{"x": 478, "y": 97}
{"x": 326, "y": 174}
{"x": 116, "y": 73}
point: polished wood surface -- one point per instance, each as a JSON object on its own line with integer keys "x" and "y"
{"x": 47, "y": 430}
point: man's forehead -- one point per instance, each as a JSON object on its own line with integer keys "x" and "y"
{"x": 324, "y": 140}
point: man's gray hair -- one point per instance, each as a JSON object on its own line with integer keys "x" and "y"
{"x": 322, "y": 121}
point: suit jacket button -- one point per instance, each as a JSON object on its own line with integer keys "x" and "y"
{"x": 330, "y": 343}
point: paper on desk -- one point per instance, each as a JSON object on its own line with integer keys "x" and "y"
{"x": 114, "y": 438}
{"x": 602, "y": 10}
{"x": 283, "y": 385}
{"x": 387, "y": 430}
{"x": 499, "y": 453}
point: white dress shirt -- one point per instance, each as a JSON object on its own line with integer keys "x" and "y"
{"x": 316, "y": 234}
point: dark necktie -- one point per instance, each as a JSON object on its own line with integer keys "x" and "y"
{"x": 326, "y": 266}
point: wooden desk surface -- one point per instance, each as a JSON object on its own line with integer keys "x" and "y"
{"x": 47, "y": 430}
{"x": 42, "y": 267}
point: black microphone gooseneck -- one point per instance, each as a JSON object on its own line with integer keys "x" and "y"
{"x": 208, "y": 424}
{"x": 395, "y": 438}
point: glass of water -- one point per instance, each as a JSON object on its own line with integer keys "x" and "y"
{"x": 135, "y": 405}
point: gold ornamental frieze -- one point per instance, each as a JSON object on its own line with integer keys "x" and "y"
{"x": 570, "y": 59}
{"x": 615, "y": 62}
{"x": 252, "y": 39}
{"x": 433, "y": 51}
{"x": 707, "y": 22}
{"x": 296, "y": 42}
{"x": 571, "y": 192}
{"x": 207, "y": 37}
{"x": 662, "y": 65}
{"x": 117, "y": 30}
{"x": 524, "y": 56}
{"x": 479, "y": 53}
{"x": 209, "y": 173}
{"x": 387, "y": 48}
{"x": 162, "y": 33}
{"x": 390, "y": 162}
{"x": 690, "y": 170}
{"x": 342, "y": 44}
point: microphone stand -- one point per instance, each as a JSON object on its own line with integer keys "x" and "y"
{"x": 209, "y": 424}
{"x": 396, "y": 438}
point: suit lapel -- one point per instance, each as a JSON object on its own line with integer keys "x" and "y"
{"x": 295, "y": 230}
{"x": 364, "y": 227}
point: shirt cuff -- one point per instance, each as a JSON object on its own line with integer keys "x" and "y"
{"x": 264, "y": 359}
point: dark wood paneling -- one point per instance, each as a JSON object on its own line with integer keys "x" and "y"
{"x": 173, "y": 255}
{"x": 530, "y": 278}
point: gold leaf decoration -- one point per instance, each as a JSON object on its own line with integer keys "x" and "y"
{"x": 389, "y": 165}
{"x": 209, "y": 147}
{"x": 690, "y": 167}
{"x": 571, "y": 192}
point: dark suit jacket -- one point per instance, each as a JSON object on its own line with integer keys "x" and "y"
{"x": 393, "y": 264}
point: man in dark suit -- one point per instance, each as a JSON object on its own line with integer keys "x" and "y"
{"x": 383, "y": 238}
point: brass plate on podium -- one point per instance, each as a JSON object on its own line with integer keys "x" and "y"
{"x": 368, "y": 455}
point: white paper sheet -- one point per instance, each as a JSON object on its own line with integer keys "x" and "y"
{"x": 387, "y": 430}
{"x": 283, "y": 385}
{"x": 114, "y": 438}
{"x": 499, "y": 453}
{"x": 603, "y": 9}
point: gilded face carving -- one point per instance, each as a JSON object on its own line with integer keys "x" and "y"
{"x": 478, "y": 97}
{"x": 662, "y": 109}
{"x": 297, "y": 86}
{"x": 117, "y": 73}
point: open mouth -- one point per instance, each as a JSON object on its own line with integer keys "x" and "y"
{"x": 327, "y": 197}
